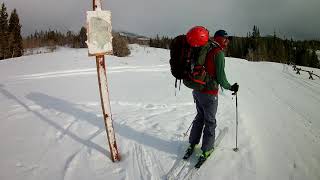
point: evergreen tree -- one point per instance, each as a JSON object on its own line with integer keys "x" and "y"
{"x": 253, "y": 45}
{"x": 3, "y": 32}
{"x": 256, "y": 32}
{"x": 15, "y": 39}
{"x": 274, "y": 49}
{"x": 314, "y": 61}
{"x": 83, "y": 37}
{"x": 69, "y": 38}
{"x": 301, "y": 55}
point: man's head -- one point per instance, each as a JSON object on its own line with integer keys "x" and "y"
{"x": 222, "y": 37}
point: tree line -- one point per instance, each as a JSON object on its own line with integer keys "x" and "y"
{"x": 13, "y": 45}
{"x": 10, "y": 34}
{"x": 52, "y": 38}
{"x": 254, "y": 47}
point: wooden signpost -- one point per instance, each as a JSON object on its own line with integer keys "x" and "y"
{"x": 99, "y": 44}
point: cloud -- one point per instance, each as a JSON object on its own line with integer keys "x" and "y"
{"x": 290, "y": 18}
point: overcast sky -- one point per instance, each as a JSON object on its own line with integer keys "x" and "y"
{"x": 289, "y": 18}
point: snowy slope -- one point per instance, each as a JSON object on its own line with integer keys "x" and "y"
{"x": 51, "y": 125}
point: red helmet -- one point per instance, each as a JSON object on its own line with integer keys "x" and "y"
{"x": 197, "y": 36}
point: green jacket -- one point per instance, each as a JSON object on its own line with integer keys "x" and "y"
{"x": 215, "y": 64}
{"x": 221, "y": 78}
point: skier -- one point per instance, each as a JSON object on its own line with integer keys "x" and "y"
{"x": 207, "y": 100}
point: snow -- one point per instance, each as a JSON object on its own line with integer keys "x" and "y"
{"x": 52, "y": 127}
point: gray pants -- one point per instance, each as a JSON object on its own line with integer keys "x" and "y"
{"x": 206, "y": 117}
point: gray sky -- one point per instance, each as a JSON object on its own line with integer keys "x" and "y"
{"x": 289, "y": 18}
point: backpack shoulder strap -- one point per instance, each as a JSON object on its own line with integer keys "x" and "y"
{"x": 215, "y": 49}
{"x": 210, "y": 65}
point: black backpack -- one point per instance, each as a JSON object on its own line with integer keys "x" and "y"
{"x": 188, "y": 63}
{"x": 180, "y": 53}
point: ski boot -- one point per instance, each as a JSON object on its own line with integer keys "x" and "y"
{"x": 189, "y": 151}
{"x": 203, "y": 157}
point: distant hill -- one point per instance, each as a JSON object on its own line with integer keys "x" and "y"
{"x": 135, "y": 38}
{"x": 133, "y": 35}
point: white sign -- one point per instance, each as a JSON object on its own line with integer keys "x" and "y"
{"x": 99, "y": 32}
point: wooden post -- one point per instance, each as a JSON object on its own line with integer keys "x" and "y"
{"x": 105, "y": 101}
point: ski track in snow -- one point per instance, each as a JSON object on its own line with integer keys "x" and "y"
{"x": 307, "y": 87}
{"x": 67, "y": 168}
{"x": 283, "y": 125}
{"x": 145, "y": 164}
{"x": 91, "y": 71}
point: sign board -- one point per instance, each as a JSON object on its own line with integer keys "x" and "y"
{"x": 99, "y": 32}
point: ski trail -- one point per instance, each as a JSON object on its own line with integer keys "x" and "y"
{"x": 280, "y": 131}
{"x": 305, "y": 119}
{"x": 67, "y": 169}
{"x": 92, "y": 71}
{"x": 144, "y": 164}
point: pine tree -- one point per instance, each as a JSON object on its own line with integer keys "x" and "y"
{"x": 314, "y": 61}
{"x": 256, "y": 32}
{"x": 3, "y": 32}
{"x": 83, "y": 37}
{"x": 157, "y": 45}
{"x": 274, "y": 48}
{"x": 15, "y": 38}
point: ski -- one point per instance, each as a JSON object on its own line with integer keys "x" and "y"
{"x": 184, "y": 168}
{"x": 177, "y": 166}
{"x": 195, "y": 169}
{"x": 176, "y": 169}
{"x": 180, "y": 166}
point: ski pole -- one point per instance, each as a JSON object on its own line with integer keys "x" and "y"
{"x": 186, "y": 133}
{"x": 236, "y": 148}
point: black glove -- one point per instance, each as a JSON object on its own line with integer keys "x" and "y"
{"x": 234, "y": 88}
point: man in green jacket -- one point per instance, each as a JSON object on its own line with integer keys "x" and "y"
{"x": 207, "y": 100}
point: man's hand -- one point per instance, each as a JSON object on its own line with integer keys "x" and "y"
{"x": 234, "y": 88}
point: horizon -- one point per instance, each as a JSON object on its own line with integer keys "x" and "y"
{"x": 293, "y": 19}
{"x": 154, "y": 36}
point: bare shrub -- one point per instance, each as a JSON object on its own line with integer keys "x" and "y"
{"x": 120, "y": 45}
